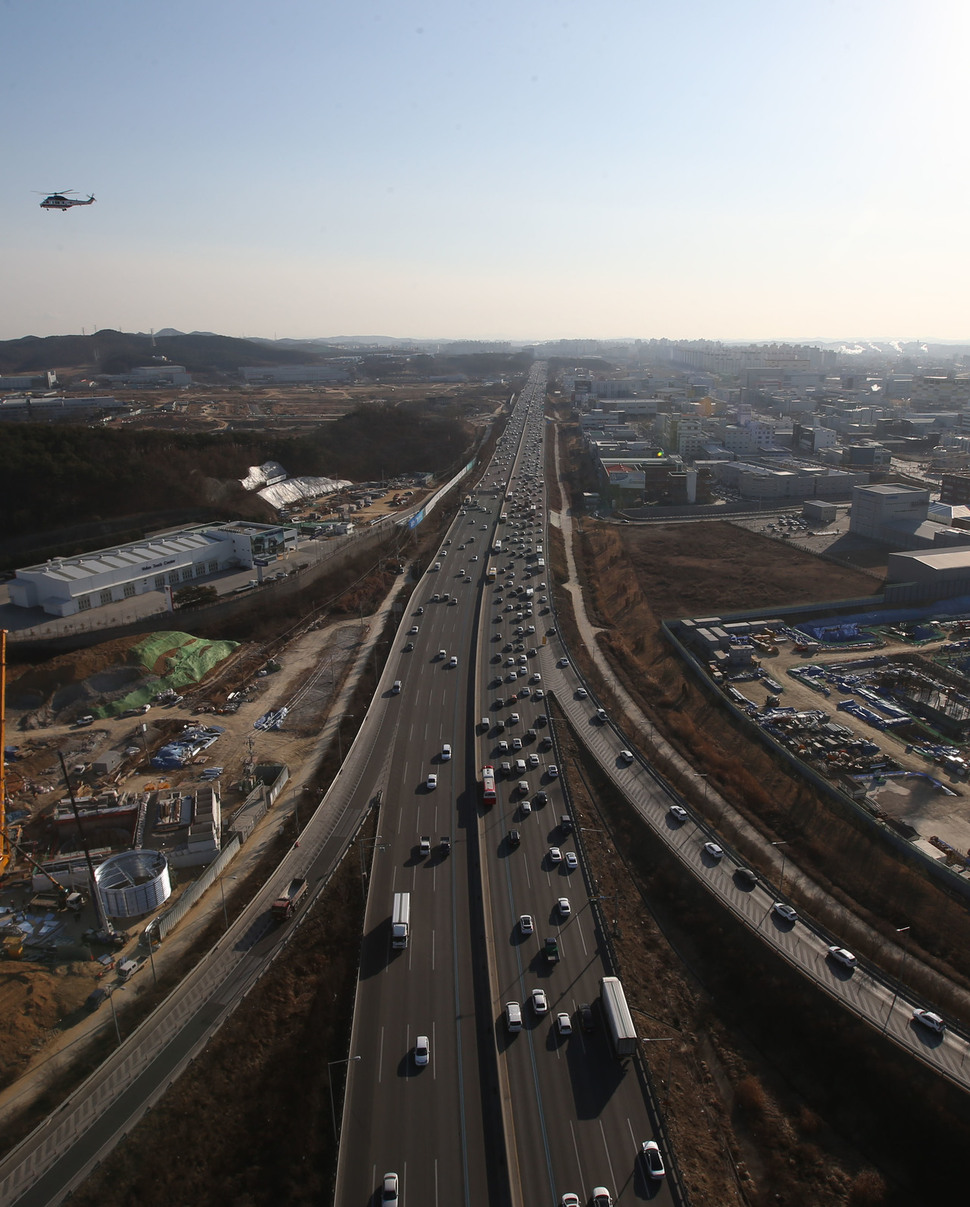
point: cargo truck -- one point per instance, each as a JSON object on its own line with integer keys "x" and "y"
{"x": 401, "y": 920}
{"x": 289, "y": 899}
{"x": 619, "y": 1021}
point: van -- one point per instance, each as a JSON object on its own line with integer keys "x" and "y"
{"x": 513, "y": 1016}
{"x": 128, "y": 968}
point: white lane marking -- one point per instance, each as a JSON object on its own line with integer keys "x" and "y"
{"x": 434, "y": 1067}
{"x": 580, "y": 1176}
{"x": 432, "y": 949}
{"x": 380, "y": 1057}
{"x": 606, "y": 1149}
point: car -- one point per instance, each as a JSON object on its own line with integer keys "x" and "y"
{"x": 536, "y": 677}
{"x": 413, "y": 629}
{"x": 96, "y": 997}
{"x": 565, "y": 909}
{"x": 601, "y": 1197}
{"x": 563, "y": 662}
{"x": 678, "y": 813}
{"x": 533, "y": 760}
{"x": 842, "y": 956}
{"x": 542, "y": 719}
{"x": 930, "y": 1020}
{"x": 784, "y": 911}
{"x": 650, "y": 1151}
{"x": 514, "y": 838}
{"x": 586, "y": 1020}
{"x": 539, "y": 1003}
{"x": 409, "y": 647}
{"x": 713, "y": 850}
{"x": 569, "y": 1200}
{"x": 627, "y": 756}
{"x": 525, "y": 808}
{"x": 555, "y": 855}
{"x": 422, "y": 1051}
{"x": 445, "y": 752}
{"x": 539, "y": 800}
{"x": 581, "y": 693}
{"x": 745, "y": 877}
{"x": 552, "y": 771}
{"x": 526, "y": 925}
{"x": 572, "y": 861}
{"x": 601, "y": 715}
{"x": 453, "y": 660}
{"x": 516, "y": 743}
{"x": 513, "y": 717}
{"x": 389, "y": 1190}
{"x": 432, "y": 782}
{"x": 435, "y": 598}
{"x": 564, "y": 1024}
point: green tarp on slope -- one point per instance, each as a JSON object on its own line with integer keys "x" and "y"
{"x": 170, "y": 660}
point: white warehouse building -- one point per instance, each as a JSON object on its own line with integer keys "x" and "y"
{"x": 65, "y": 586}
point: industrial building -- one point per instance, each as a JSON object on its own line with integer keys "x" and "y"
{"x": 899, "y": 516}
{"x": 65, "y": 586}
{"x": 945, "y": 574}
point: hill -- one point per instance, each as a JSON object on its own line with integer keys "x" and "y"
{"x": 119, "y": 352}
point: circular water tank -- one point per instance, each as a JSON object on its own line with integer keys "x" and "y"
{"x": 133, "y": 883}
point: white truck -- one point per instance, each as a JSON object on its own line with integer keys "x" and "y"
{"x": 401, "y": 920}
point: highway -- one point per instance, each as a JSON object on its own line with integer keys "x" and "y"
{"x": 493, "y": 1117}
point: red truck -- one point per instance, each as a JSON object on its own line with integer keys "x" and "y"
{"x": 289, "y": 899}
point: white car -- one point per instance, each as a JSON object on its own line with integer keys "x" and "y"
{"x": 602, "y": 1197}
{"x": 432, "y": 782}
{"x": 581, "y": 693}
{"x": 413, "y": 629}
{"x": 929, "y": 1019}
{"x": 526, "y": 925}
{"x": 784, "y": 911}
{"x": 650, "y": 1151}
{"x": 678, "y": 813}
{"x": 389, "y": 1190}
{"x": 555, "y": 855}
{"x": 842, "y": 956}
{"x": 563, "y": 1024}
{"x": 445, "y": 752}
{"x": 422, "y": 1050}
{"x": 453, "y": 660}
{"x": 713, "y": 850}
{"x": 552, "y": 771}
{"x": 565, "y": 909}
{"x": 539, "y": 1003}
{"x": 626, "y": 756}
{"x": 563, "y": 662}
{"x": 572, "y": 862}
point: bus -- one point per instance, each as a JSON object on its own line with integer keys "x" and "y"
{"x": 488, "y": 785}
{"x": 490, "y": 574}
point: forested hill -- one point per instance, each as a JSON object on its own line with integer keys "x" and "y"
{"x": 121, "y": 351}
{"x": 56, "y": 475}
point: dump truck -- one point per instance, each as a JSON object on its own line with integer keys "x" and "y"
{"x": 289, "y": 899}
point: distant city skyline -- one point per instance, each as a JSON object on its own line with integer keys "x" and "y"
{"x": 442, "y": 171}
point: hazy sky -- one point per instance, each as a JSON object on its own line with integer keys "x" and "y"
{"x": 511, "y": 169}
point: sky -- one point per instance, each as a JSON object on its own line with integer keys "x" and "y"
{"x": 521, "y": 169}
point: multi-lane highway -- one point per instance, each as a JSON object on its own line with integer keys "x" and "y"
{"x": 495, "y": 1115}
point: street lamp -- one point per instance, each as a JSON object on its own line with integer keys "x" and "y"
{"x": 784, "y": 856}
{"x": 222, "y": 889}
{"x": 360, "y": 851}
{"x": 333, "y": 1111}
{"x": 114, "y": 1015}
{"x": 340, "y": 744}
{"x": 899, "y": 978}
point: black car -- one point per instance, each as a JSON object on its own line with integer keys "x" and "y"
{"x": 540, "y": 799}
{"x": 586, "y": 1017}
{"x": 409, "y": 647}
{"x": 514, "y": 838}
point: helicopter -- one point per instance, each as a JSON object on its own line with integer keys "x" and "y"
{"x": 63, "y": 201}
